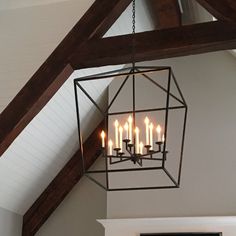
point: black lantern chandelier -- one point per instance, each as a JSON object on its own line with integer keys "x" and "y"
{"x": 136, "y": 140}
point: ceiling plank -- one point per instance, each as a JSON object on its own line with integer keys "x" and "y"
{"x": 62, "y": 184}
{"x": 55, "y": 70}
{"x": 222, "y": 10}
{"x": 165, "y": 13}
{"x": 158, "y": 44}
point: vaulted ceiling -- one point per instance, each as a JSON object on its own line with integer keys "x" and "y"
{"x": 50, "y": 140}
{"x": 42, "y": 139}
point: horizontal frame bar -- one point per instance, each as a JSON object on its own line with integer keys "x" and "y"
{"x": 147, "y": 110}
{"x": 107, "y": 75}
{"x": 123, "y": 170}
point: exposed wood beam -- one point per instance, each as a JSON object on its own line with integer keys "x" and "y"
{"x": 165, "y": 13}
{"x": 159, "y": 44}
{"x": 222, "y": 10}
{"x": 62, "y": 184}
{"x": 55, "y": 70}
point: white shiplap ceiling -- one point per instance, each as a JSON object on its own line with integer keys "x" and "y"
{"x": 50, "y": 140}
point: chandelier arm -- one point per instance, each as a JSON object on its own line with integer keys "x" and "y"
{"x": 123, "y": 160}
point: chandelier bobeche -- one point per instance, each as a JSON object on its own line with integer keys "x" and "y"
{"x": 127, "y": 145}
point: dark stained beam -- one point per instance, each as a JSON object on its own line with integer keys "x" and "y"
{"x": 55, "y": 70}
{"x": 165, "y": 13}
{"x": 62, "y": 184}
{"x": 159, "y": 44}
{"x": 224, "y": 10}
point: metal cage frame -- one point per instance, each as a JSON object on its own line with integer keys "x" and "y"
{"x": 127, "y": 73}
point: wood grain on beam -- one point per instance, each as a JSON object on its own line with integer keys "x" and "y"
{"x": 55, "y": 70}
{"x": 224, "y": 10}
{"x": 165, "y": 13}
{"x": 62, "y": 184}
{"x": 159, "y": 44}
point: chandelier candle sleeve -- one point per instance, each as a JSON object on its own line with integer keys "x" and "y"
{"x": 137, "y": 140}
{"x": 141, "y": 148}
{"x": 121, "y": 137}
{"x": 103, "y": 138}
{"x": 116, "y": 134}
{"x": 130, "y": 121}
{"x": 163, "y": 138}
{"x": 158, "y": 129}
{"x": 151, "y": 136}
{"x": 110, "y": 144}
{"x": 146, "y": 121}
{"x": 126, "y": 128}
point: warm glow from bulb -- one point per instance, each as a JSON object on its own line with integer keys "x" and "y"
{"x": 146, "y": 120}
{"x": 126, "y": 126}
{"x": 116, "y": 123}
{"x": 120, "y": 129}
{"x": 103, "y": 138}
{"x": 130, "y": 119}
{"x": 110, "y": 143}
{"x": 158, "y": 129}
{"x": 151, "y": 126}
{"x": 103, "y": 134}
{"x": 136, "y": 130}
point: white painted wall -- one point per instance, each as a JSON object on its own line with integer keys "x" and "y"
{"x": 28, "y": 36}
{"x": 10, "y": 223}
{"x": 77, "y": 214}
{"x": 133, "y": 227}
{"x": 208, "y": 179}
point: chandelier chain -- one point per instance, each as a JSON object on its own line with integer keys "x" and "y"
{"x": 133, "y": 17}
{"x": 133, "y": 32}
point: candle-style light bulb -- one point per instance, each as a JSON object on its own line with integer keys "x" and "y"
{"x": 137, "y": 140}
{"x": 103, "y": 138}
{"x": 121, "y": 137}
{"x": 116, "y": 134}
{"x": 158, "y": 129}
{"x": 141, "y": 148}
{"x": 110, "y": 144}
{"x": 126, "y": 128}
{"x": 151, "y": 136}
{"x": 130, "y": 121}
{"x": 146, "y": 121}
{"x": 163, "y": 138}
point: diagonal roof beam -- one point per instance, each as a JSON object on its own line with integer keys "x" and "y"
{"x": 222, "y": 10}
{"x": 55, "y": 70}
{"x": 159, "y": 44}
{"x": 62, "y": 184}
{"x": 165, "y": 13}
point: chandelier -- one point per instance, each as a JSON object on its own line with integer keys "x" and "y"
{"x": 136, "y": 138}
